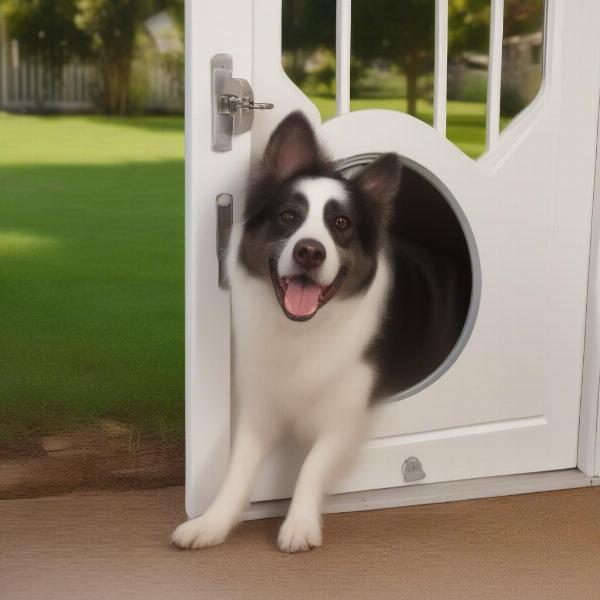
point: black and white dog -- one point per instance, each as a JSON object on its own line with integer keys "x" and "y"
{"x": 311, "y": 271}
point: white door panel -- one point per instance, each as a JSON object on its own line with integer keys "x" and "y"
{"x": 510, "y": 402}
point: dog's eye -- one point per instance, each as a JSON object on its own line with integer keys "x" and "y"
{"x": 287, "y": 216}
{"x": 342, "y": 222}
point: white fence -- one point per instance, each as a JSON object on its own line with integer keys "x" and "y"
{"x": 28, "y": 85}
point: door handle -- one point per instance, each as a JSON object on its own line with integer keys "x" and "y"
{"x": 233, "y": 103}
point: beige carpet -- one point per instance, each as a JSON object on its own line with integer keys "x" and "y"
{"x": 115, "y": 545}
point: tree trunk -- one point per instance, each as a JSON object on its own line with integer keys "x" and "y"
{"x": 116, "y": 87}
{"x": 124, "y": 82}
{"x": 412, "y": 78}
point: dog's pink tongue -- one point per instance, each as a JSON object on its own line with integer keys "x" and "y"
{"x": 302, "y": 297}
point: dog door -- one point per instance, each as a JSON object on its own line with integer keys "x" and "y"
{"x": 431, "y": 223}
{"x": 505, "y": 397}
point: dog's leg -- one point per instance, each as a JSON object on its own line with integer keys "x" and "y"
{"x": 251, "y": 445}
{"x": 301, "y": 529}
{"x": 333, "y": 448}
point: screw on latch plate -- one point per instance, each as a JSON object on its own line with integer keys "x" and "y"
{"x": 412, "y": 469}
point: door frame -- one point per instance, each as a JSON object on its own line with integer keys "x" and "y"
{"x": 207, "y": 308}
{"x": 588, "y": 454}
{"x": 207, "y": 328}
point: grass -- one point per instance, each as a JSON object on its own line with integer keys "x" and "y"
{"x": 91, "y": 273}
{"x": 465, "y": 120}
{"x": 91, "y": 267}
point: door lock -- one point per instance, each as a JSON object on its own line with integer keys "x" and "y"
{"x": 229, "y": 104}
{"x": 233, "y": 103}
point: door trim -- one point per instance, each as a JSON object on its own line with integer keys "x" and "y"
{"x": 210, "y": 29}
{"x": 433, "y": 493}
{"x": 588, "y": 454}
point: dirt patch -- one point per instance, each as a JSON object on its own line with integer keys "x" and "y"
{"x": 108, "y": 456}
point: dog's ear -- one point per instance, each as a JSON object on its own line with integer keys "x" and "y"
{"x": 380, "y": 181}
{"x": 292, "y": 148}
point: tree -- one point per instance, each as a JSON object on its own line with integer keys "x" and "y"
{"x": 400, "y": 31}
{"x": 403, "y": 31}
{"x": 306, "y": 25}
{"x": 469, "y": 22}
{"x": 105, "y": 30}
{"x": 468, "y": 26}
{"x": 111, "y": 27}
{"x": 177, "y": 10}
{"x": 46, "y": 29}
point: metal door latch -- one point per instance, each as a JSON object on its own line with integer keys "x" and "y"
{"x": 224, "y": 223}
{"x": 229, "y": 104}
{"x": 412, "y": 469}
{"x": 233, "y": 103}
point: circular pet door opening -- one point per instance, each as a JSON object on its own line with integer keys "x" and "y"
{"x": 437, "y": 284}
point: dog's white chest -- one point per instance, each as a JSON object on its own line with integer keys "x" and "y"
{"x": 292, "y": 365}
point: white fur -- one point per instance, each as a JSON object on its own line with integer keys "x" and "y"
{"x": 318, "y": 191}
{"x": 307, "y": 377}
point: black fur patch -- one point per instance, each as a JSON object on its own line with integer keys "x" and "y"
{"x": 430, "y": 299}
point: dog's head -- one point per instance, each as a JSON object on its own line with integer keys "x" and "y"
{"x": 313, "y": 234}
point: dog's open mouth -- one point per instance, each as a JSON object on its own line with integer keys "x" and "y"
{"x": 300, "y": 296}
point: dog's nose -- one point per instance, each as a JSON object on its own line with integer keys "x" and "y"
{"x": 309, "y": 254}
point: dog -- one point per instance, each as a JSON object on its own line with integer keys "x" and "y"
{"x": 312, "y": 270}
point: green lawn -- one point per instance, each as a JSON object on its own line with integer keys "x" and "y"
{"x": 91, "y": 273}
{"x": 91, "y": 267}
{"x": 465, "y": 120}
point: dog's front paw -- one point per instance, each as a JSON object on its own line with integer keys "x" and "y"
{"x": 201, "y": 532}
{"x": 299, "y": 534}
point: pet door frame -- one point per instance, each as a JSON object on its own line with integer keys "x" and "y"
{"x": 475, "y": 265}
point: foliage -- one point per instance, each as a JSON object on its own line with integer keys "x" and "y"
{"x": 106, "y": 30}
{"x": 468, "y": 26}
{"x": 46, "y": 29}
{"x": 469, "y": 22}
{"x": 402, "y": 32}
{"x": 306, "y": 26}
{"x": 111, "y": 27}
{"x": 406, "y": 34}
{"x": 177, "y": 10}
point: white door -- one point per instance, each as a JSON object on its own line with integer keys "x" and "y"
{"x": 509, "y": 403}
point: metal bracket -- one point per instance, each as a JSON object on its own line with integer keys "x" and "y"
{"x": 412, "y": 469}
{"x": 224, "y": 223}
{"x": 233, "y": 103}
